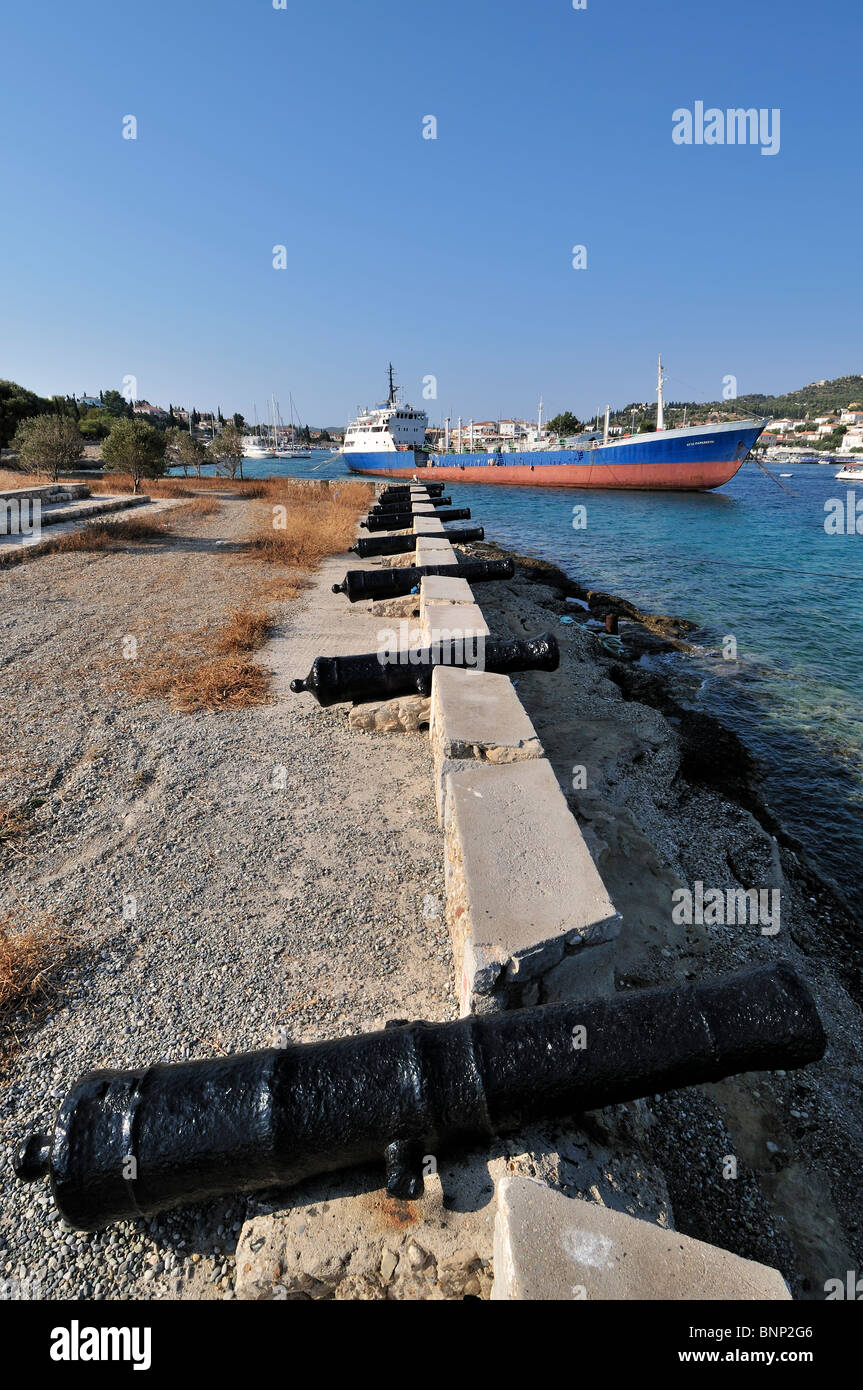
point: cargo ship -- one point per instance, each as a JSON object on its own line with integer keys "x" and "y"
{"x": 388, "y": 441}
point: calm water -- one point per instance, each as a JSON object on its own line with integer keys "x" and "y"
{"x": 751, "y": 562}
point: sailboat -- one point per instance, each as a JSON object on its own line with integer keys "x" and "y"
{"x": 254, "y": 446}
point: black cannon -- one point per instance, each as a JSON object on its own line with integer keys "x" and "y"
{"x": 391, "y": 583}
{"x": 367, "y": 546}
{"x": 384, "y": 674}
{"x": 403, "y": 521}
{"x": 128, "y": 1144}
{"x": 400, "y": 505}
{"x": 405, "y": 489}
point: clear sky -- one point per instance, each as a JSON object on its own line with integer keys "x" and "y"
{"x": 303, "y": 127}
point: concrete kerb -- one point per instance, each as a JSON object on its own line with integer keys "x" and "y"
{"x": 548, "y": 1246}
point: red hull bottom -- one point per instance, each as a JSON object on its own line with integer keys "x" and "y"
{"x": 666, "y": 477}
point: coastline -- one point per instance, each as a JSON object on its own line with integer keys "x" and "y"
{"x": 670, "y": 798}
{"x": 673, "y": 798}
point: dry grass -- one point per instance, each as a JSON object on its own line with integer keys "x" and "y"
{"x": 245, "y": 631}
{"x": 199, "y": 507}
{"x": 304, "y": 525}
{"x": 13, "y": 821}
{"x": 196, "y": 682}
{"x": 213, "y": 670}
{"x": 30, "y": 953}
{"x": 106, "y": 535}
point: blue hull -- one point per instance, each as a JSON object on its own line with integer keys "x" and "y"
{"x": 700, "y": 457}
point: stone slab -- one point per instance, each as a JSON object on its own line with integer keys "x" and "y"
{"x": 439, "y": 589}
{"x": 551, "y": 1247}
{"x": 453, "y": 622}
{"x": 476, "y": 715}
{"x": 428, "y": 526}
{"x": 522, "y": 889}
{"x": 431, "y": 551}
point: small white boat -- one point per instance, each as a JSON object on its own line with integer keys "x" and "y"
{"x": 255, "y": 448}
{"x": 851, "y": 472}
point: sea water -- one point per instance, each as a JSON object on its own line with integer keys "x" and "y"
{"x": 777, "y": 597}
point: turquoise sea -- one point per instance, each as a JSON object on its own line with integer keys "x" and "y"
{"x": 750, "y": 562}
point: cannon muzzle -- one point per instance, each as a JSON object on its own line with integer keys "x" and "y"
{"x": 367, "y": 546}
{"x": 128, "y": 1144}
{"x": 386, "y": 673}
{"x": 391, "y": 583}
{"x": 403, "y": 521}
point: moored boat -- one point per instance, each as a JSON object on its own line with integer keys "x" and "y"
{"x": 387, "y": 442}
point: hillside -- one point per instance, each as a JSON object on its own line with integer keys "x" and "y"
{"x": 819, "y": 398}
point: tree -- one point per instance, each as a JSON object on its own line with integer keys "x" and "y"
{"x": 94, "y": 426}
{"x": 114, "y": 404}
{"x": 49, "y": 444}
{"x": 17, "y": 404}
{"x": 226, "y": 451}
{"x": 196, "y": 419}
{"x": 136, "y": 448}
{"x": 186, "y": 451}
{"x": 564, "y": 424}
{"x": 239, "y": 421}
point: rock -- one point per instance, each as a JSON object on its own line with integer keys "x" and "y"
{"x": 405, "y": 715}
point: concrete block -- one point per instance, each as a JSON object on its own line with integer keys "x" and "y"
{"x": 476, "y": 715}
{"x": 522, "y": 889}
{"x": 445, "y": 622}
{"x": 551, "y": 1247}
{"x": 428, "y": 526}
{"x": 431, "y": 551}
{"x": 422, "y": 509}
{"x": 439, "y": 589}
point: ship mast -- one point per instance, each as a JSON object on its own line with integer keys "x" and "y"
{"x": 660, "y": 411}
{"x": 391, "y": 399}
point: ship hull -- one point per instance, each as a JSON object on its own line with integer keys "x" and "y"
{"x": 675, "y": 460}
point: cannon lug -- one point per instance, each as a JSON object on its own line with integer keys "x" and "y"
{"x": 403, "y": 1160}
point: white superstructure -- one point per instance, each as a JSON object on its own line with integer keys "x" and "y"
{"x": 387, "y": 428}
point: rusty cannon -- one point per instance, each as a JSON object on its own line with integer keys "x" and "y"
{"x": 384, "y": 674}
{"x": 403, "y": 521}
{"x": 367, "y": 546}
{"x": 129, "y": 1144}
{"x": 392, "y": 583}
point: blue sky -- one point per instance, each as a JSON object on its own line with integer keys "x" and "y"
{"x": 302, "y": 127}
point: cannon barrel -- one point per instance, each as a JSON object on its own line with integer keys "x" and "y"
{"x": 403, "y": 521}
{"x": 128, "y": 1144}
{"x": 367, "y": 546}
{"x": 390, "y": 583}
{"x": 386, "y": 673}
{"x": 401, "y": 504}
{"x": 405, "y": 489}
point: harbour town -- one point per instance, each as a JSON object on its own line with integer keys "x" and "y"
{"x": 430, "y": 632}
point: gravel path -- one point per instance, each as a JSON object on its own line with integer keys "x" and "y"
{"x": 316, "y": 908}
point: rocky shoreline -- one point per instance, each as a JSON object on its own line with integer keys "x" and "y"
{"x": 673, "y": 797}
